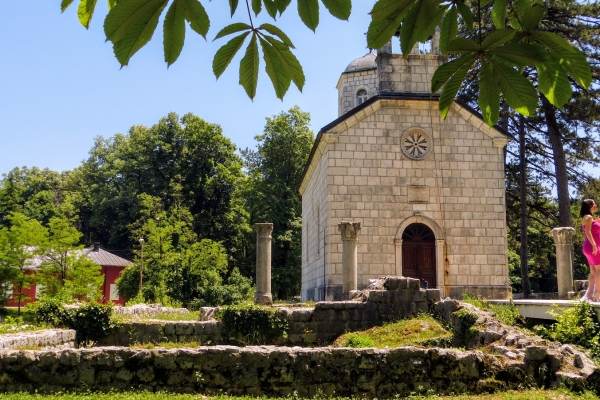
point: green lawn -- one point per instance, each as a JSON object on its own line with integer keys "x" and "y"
{"x": 512, "y": 395}
{"x": 408, "y": 332}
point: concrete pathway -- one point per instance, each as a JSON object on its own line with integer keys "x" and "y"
{"x": 535, "y": 308}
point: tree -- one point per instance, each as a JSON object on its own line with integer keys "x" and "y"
{"x": 557, "y": 143}
{"x": 58, "y": 254}
{"x": 19, "y": 244}
{"x": 34, "y": 192}
{"x": 84, "y": 279}
{"x": 203, "y": 277}
{"x": 275, "y": 170}
{"x": 513, "y": 42}
{"x": 185, "y": 163}
{"x": 177, "y": 266}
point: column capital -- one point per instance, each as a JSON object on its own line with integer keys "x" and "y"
{"x": 562, "y": 235}
{"x": 349, "y": 230}
{"x": 264, "y": 229}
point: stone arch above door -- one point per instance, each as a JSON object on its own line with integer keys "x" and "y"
{"x": 439, "y": 247}
{"x": 420, "y": 219}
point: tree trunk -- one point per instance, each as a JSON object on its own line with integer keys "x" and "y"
{"x": 560, "y": 165}
{"x": 523, "y": 197}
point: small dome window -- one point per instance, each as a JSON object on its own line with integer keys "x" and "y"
{"x": 361, "y": 97}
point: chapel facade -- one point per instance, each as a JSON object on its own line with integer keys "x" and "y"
{"x": 428, "y": 193}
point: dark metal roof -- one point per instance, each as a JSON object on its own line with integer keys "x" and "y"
{"x": 105, "y": 258}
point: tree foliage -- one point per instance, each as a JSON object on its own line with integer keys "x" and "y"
{"x": 499, "y": 52}
{"x": 275, "y": 170}
{"x": 35, "y": 193}
{"x": 179, "y": 267}
{"x": 18, "y": 245}
{"x": 186, "y": 164}
{"x": 560, "y": 145}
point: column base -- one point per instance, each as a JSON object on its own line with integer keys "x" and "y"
{"x": 265, "y": 299}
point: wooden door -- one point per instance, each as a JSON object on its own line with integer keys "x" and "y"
{"x": 418, "y": 254}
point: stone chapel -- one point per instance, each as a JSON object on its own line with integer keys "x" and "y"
{"x": 428, "y": 193}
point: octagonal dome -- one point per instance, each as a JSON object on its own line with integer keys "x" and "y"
{"x": 362, "y": 63}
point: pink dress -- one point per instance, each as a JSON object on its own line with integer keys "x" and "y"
{"x": 587, "y": 246}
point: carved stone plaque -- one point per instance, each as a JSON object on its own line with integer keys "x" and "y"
{"x": 418, "y": 194}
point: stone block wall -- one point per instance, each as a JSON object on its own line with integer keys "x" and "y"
{"x": 155, "y": 331}
{"x": 350, "y": 83}
{"x": 315, "y": 208}
{"x": 368, "y": 181}
{"x": 281, "y": 371}
{"x": 514, "y": 360}
{"x": 407, "y": 74}
{"x": 57, "y": 338}
{"x": 307, "y": 326}
{"x": 146, "y": 310}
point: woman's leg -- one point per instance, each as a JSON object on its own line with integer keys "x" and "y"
{"x": 596, "y": 292}
{"x": 589, "y": 293}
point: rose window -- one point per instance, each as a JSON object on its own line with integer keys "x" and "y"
{"x": 416, "y": 143}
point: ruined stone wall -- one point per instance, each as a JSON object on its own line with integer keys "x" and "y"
{"x": 513, "y": 359}
{"x": 323, "y": 323}
{"x": 58, "y": 338}
{"x": 275, "y": 371}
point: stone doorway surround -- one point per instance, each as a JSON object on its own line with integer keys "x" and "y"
{"x": 440, "y": 242}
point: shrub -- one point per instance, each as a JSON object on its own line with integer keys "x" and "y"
{"x": 577, "y": 325}
{"x": 507, "y": 314}
{"x": 51, "y": 312}
{"x": 91, "y": 321}
{"x": 249, "y": 324}
{"x": 237, "y": 290}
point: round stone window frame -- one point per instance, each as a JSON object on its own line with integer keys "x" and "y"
{"x": 416, "y": 143}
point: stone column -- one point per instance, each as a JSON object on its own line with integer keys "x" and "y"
{"x": 349, "y": 231}
{"x": 563, "y": 240}
{"x": 263, "y": 263}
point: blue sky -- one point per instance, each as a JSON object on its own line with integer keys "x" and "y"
{"x": 61, "y": 85}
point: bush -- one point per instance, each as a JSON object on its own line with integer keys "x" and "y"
{"x": 577, "y": 325}
{"x": 507, "y": 314}
{"x": 249, "y": 324}
{"x": 91, "y": 321}
{"x": 238, "y": 289}
{"x": 51, "y": 312}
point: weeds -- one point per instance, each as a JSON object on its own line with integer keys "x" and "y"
{"x": 507, "y": 314}
{"x": 417, "y": 331}
{"x": 166, "y": 345}
{"x": 578, "y": 325}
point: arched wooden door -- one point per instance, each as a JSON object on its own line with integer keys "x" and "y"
{"x": 418, "y": 253}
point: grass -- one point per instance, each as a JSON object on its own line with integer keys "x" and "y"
{"x": 14, "y": 323}
{"x": 507, "y": 314}
{"x": 409, "y": 332}
{"x": 190, "y": 316}
{"x": 511, "y": 395}
{"x": 167, "y": 345}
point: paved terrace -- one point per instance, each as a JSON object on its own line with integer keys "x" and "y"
{"x": 538, "y": 308}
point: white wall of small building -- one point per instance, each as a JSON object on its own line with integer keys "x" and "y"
{"x": 315, "y": 208}
{"x": 368, "y": 178}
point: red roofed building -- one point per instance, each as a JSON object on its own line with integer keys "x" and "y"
{"x": 111, "y": 264}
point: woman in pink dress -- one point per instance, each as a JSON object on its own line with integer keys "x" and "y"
{"x": 591, "y": 230}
